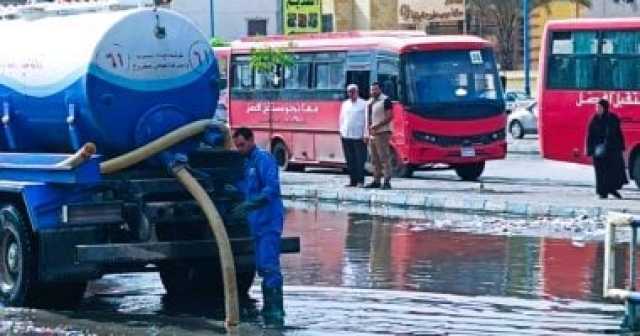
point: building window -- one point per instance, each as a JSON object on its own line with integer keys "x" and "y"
{"x": 327, "y": 23}
{"x": 257, "y": 27}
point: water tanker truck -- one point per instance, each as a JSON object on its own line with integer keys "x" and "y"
{"x": 141, "y": 85}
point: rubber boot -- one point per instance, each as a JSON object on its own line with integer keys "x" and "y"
{"x": 273, "y": 308}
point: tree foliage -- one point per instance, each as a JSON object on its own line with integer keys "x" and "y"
{"x": 267, "y": 59}
{"x": 216, "y": 42}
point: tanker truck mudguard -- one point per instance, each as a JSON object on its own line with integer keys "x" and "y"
{"x": 120, "y": 80}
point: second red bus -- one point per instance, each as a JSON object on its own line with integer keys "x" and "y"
{"x": 583, "y": 61}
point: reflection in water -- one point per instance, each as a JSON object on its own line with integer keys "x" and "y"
{"x": 360, "y": 251}
{"x": 368, "y": 275}
{"x": 380, "y": 253}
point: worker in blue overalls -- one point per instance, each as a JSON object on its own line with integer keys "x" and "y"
{"x": 265, "y": 212}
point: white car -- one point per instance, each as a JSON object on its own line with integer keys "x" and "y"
{"x": 513, "y": 99}
{"x": 523, "y": 120}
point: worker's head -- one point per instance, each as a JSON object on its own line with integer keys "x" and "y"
{"x": 243, "y": 140}
{"x": 602, "y": 107}
{"x": 352, "y": 92}
{"x": 375, "y": 90}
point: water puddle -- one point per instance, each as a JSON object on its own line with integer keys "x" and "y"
{"x": 375, "y": 275}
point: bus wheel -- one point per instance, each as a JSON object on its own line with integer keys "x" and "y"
{"x": 281, "y": 154}
{"x": 470, "y": 172}
{"x": 203, "y": 278}
{"x": 400, "y": 169}
{"x": 17, "y": 259}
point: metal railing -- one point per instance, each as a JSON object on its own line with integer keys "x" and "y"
{"x": 629, "y": 295}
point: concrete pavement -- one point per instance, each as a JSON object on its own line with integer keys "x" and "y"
{"x": 529, "y": 145}
{"x": 521, "y": 185}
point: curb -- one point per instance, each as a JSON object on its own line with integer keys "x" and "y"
{"x": 524, "y": 152}
{"x": 424, "y": 201}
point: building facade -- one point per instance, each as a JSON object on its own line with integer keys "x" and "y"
{"x": 348, "y": 15}
{"x": 435, "y": 17}
{"x": 302, "y": 16}
{"x": 231, "y": 20}
{"x": 557, "y": 10}
{"x": 613, "y": 8}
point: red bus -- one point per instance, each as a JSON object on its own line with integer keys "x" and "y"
{"x": 447, "y": 95}
{"x": 583, "y": 61}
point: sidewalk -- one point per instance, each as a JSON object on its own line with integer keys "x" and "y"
{"x": 523, "y": 197}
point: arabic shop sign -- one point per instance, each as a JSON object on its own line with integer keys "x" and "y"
{"x": 302, "y": 16}
{"x": 425, "y": 11}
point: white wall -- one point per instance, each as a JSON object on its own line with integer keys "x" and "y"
{"x": 196, "y": 10}
{"x": 231, "y": 16}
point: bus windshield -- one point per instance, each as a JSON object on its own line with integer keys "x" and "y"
{"x": 453, "y": 84}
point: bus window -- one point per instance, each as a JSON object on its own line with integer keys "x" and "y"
{"x": 268, "y": 81}
{"x": 619, "y": 64}
{"x": 242, "y": 76}
{"x": 297, "y": 76}
{"x": 330, "y": 76}
{"x": 322, "y": 76}
{"x": 573, "y": 60}
{"x": 336, "y": 76}
{"x": 388, "y": 78}
{"x": 222, "y": 67}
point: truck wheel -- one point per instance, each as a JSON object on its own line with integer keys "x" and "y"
{"x": 60, "y": 295}
{"x": 17, "y": 259}
{"x": 18, "y": 268}
{"x": 471, "y": 171}
{"x": 203, "y": 278}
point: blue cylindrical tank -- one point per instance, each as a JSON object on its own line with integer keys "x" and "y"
{"x": 116, "y": 78}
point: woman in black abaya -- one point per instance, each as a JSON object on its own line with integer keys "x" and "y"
{"x": 605, "y": 145}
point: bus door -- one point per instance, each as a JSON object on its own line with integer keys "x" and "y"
{"x": 330, "y": 84}
{"x": 359, "y": 71}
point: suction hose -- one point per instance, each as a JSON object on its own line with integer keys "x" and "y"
{"x": 156, "y": 146}
{"x": 202, "y": 198}
{"x": 220, "y": 234}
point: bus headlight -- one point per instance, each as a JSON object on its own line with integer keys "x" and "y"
{"x": 425, "y": 137}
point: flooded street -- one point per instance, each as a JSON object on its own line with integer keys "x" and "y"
{"x": 364, "y": 275}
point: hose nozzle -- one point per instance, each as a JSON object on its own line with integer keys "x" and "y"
{"x": 82, "y": 155}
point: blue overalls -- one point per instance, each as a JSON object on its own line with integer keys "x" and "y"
{"x": 261, "y": 180}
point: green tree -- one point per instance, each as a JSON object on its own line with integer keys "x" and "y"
{"x": 269, "y": 61}
{"x": 216, "y": 42}
{"x": 506, "y": 15}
